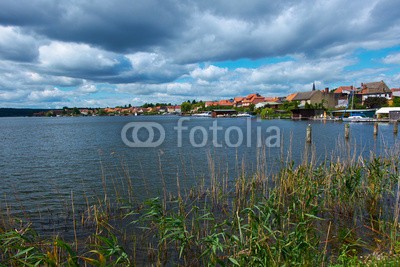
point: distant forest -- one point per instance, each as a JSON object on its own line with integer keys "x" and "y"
{"x": 20, "y": 112}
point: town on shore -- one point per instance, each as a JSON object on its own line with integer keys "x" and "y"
{"x": 372, "y": 99}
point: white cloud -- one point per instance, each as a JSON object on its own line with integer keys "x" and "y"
{"x": 392, "y": 59}
{"x": 48, "y": 95}
{"x": 143, "y": 61}
{"x": 12, "y": 95}
{"x": 209, "y": 73}
{"x": 300, "y": 71}
{"x": 88, "y": 88}
{"x": 154, "y": 68}
{"x": 76, "y": 57}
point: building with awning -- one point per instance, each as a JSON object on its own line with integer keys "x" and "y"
{"x": 352, "y": 112}
{"x": 393, "y": 113}
{"x": 223, "y": 113}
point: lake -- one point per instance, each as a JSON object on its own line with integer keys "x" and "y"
{"x": 48, "y": 162}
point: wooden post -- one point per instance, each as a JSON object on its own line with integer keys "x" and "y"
{"x": 308, "y": 134}
{"x": 395, "y": 127}
{"x": 375, "y": 129}
{"x": 347, "y": 131}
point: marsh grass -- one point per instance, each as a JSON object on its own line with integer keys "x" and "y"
{"x": 337, "y": 211}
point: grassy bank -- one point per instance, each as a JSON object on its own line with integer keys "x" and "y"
{"x": 339, "y": 212}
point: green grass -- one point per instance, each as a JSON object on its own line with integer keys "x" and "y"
{"x": 334, "y": 213}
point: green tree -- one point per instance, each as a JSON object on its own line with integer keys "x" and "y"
{"x": 65, "y": 110}
{"x": 147, "y": 105}
{"x": 288, "y": 106}
{"x": 375, "y": 102}
{"x": 186, "y": 107}
{"x": 266, "y": 113}
{"x": 251, "y": 107}
{"x": 101, "y": 112}
{"x": 396, "y": 101}
{"x": 75, "y": 111}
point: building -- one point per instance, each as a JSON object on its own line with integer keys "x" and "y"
{"x": 393, "y": 113}
{"x": 290, "y": 97}
{"x": 225, "y": 103}
{"x": 252, "y": 99}
{"x": 269, "y": 104}
{"x": 221, "y": 103}
{"x": 238, "y": 101}
{"x": 223, "y": 113}
{"x": 342, "y": 95}
{"x": 371, "y": 89}
{"x": 315, "y": 97}
{"x": 305, "y": 114}
{"x": 374, "y": 89}
{"x": 395, "y": 92}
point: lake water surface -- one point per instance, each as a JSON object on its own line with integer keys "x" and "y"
{"x": 45, "y": 162}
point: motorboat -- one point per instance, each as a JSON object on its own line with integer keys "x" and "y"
{"x": 357, "y": 118}
{"x": 243, "y": 115}
{"x": 204, "y": 114}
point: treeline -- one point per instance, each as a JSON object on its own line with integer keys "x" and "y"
{"x": 20, "y": 112}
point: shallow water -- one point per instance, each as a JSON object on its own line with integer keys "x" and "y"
{"x": 48, "y": 162}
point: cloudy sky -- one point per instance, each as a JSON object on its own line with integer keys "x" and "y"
{"x": 99, "y": 53}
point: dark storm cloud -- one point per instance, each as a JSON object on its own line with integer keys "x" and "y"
{"x": 29, "y": 13}
{"x": 119, "y": 26}
{"x": 306, "y": 27}
{"x": 167, "y": 47}
{"x": 15, "y": 45}
{"x": 251, "y": 10}
{"x": 193, "y": 31}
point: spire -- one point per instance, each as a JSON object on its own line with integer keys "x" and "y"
{"x": 313, "y": 86}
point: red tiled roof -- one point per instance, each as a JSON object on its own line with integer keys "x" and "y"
{"x": 253, "y": 99}
{"x": 291, "y": 96}
{"x": 271, "y": 99}
{"x": 225, "y": 103}
{"x": 343, "y": 88}
{"x": 238, "y": 99}
{"x": 211, "y": 103}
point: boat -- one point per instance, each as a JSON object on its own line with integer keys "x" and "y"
{"x": 204, "y": 114}
{"x": 243, "y": 115}
{"x": 357, "y": 118}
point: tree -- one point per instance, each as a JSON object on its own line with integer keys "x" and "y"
{"x": 186, "y": 107}
{"x": 396, "y": 101}
{"x": 75, "y": 111}
{"x": 251, "y": 107}
{"x": 101, "y": 112}
{"x": 266, "y": 112}
{"x": 289, "y": 106}
{"x": 375, "y": 102}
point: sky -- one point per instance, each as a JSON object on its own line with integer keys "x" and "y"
{"x": 102, "y": 53}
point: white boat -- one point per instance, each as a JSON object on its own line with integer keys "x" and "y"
{"x": 357, "y": 118}
{"x": 204, "y": 114}
{"x": 243, "y": 115}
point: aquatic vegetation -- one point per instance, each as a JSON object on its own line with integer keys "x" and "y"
{"x": 336, "y": 212}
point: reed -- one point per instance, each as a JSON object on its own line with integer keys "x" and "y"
{"x": 337, "y": 211}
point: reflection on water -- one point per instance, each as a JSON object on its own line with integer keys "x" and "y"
{"x": 45, "y": 162}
